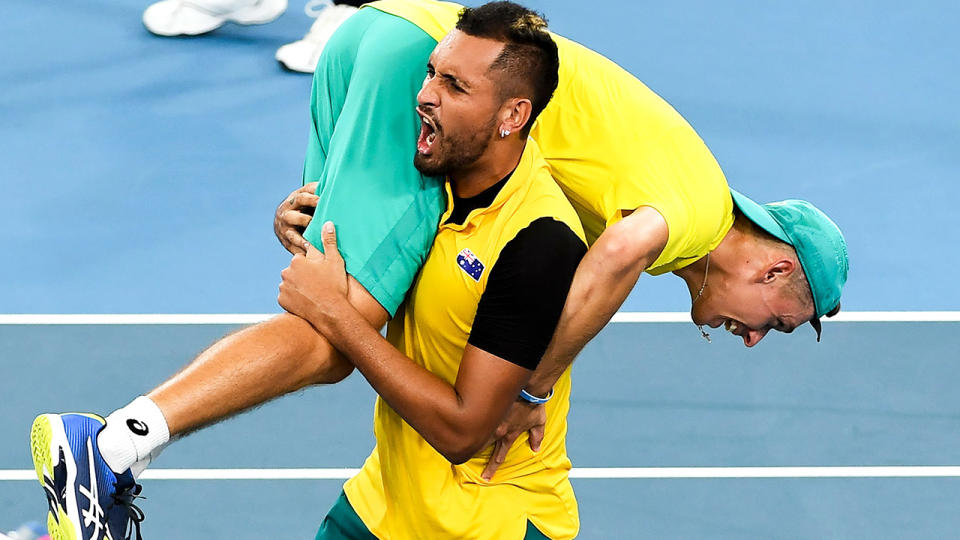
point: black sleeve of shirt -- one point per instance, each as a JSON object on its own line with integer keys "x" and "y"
{"x": 528, "y": 285}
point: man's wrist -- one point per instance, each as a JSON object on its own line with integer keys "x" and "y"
{"x": 334, "y": 318}
{"x": 328, "y": 316}
{"x": 538, "y": 388}
{"x": 535, "y": 399}
{"x": 316, "y": 319}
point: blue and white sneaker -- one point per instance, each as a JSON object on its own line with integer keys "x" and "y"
{"x": 88, "y": 501}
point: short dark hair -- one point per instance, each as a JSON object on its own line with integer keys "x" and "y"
{"x": 797, "y": 284}
{"x": 529, "y": 59}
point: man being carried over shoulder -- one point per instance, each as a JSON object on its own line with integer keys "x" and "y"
{"x": 480, "y": 313}
{"x": 653, "y": 199}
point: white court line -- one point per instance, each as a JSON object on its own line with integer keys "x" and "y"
{"x": 249, "y": 474}
{"x": 848, "y": 316}
{"x": 767, "y": 472}
{"x": 135, "y": 318}
{"x": 253, "y": 318}
{"x": 576, "y": 472}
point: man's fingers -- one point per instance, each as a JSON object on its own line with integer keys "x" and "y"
{"x": 536, "y": 438}
{"x": 329, "y": 239}
{"x": 292, "y": 218}
{"x": 500, "y": 451}
{"x": 283, "y": 297}
{"x": 296, "y": 261}
{"x": 310, "y": 251}
{"x": 294, "y": 242}
{"x": 494, "y": 462}
{"x": 306, "y": 202}
{"x": 310, "y": 188}
{"x": 306, "y": 199}
{"x": 288, "y": 298}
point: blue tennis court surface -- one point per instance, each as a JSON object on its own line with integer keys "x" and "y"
{"x": 140, "y": 174}
{"x": 863, "y": 397}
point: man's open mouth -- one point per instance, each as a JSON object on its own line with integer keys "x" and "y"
{"x": 428, "y": 134}
{"x": 733, "y": 326}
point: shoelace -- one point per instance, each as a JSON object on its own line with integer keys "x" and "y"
{"x": 314, "y": 7}
{"x": 327, "y": 18}
{"x": 125, "y": 498}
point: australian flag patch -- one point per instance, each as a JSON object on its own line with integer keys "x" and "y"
{"x": 469, "y": 263}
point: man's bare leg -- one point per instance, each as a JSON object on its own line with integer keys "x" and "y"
{"x": 243, "y": 370}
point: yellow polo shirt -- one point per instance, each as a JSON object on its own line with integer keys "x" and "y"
{"x": 614, "y": 145}
{"x": 408, "y": 490}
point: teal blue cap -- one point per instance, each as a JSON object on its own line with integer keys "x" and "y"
{"x": 817, "y": 240}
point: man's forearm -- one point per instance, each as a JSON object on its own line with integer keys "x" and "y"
{"x": 455, "y": 423}
{"x": 424, "y": 400}
{"x": 456, "y": 418}
{"x": 604, "y": 279}
{"x": 595, "y": 296}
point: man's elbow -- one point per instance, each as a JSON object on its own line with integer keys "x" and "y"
{"x": 636, "y": 240}
{"x": 457, "y": 457}
{"x": 459, "y": 449}
{"x": 618, "y": 253}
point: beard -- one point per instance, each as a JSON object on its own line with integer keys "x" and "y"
{"x": 455, "y": 152}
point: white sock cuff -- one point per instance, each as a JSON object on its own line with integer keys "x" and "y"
{"x": 133, "y": 433}
{"x": 148, "y": 413}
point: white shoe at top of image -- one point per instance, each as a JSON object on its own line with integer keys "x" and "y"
{"x": 194, "y": 17}
{"x": 303, "y": 55}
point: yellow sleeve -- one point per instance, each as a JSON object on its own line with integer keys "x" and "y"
{"x": 434, "y": 18}
{"x": 679, "y": 178}
{"x": 614, "y": 145}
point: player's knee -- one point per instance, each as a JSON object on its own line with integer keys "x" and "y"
{"x": 330, "y": 367}
{"x": 307, "y": 352}
{"x": 325, "y": 364}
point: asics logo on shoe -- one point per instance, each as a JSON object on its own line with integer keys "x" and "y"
{"x": 55, "y": 497}
{"x": 51, "y": 493}
{"x": 93, "y": 514}
{"x": 138, "y": 427}
{"x": 55, "y": 487}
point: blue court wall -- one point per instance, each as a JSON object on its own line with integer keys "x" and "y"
{"x": 139, "y": 174}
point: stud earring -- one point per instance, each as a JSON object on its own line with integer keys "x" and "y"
{"x": 504, "y": 133}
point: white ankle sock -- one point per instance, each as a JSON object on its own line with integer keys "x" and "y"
{"x": 140, "y": 465}
{"x": 132, "y": 434}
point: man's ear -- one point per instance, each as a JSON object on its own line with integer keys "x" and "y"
{"x": 515, "y": 114}
{"x": 779, "y": 270}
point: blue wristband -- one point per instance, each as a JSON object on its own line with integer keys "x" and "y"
{"x": 530, "y": 398}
